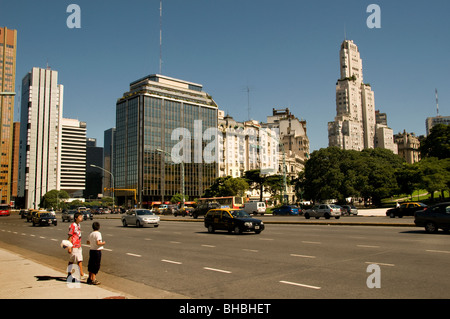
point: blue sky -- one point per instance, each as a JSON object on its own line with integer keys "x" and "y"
{"x": 285, "y": 51}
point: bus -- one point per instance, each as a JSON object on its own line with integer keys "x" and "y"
{"x": 229, "y": 201}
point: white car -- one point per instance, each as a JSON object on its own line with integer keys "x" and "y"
{"x": 324, "y": 210}
{"x": 140, "y": 218}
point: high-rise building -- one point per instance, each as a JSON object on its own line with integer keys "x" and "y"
{"x": 108, "y": 160}
{"x": 8, "y": 49}
{"x": 40, "y": 135}
{"x": 157, "y": 114}
{"x": 355, "y": 125}
{"x": 73, "y": 157}
{"x": 432, "y": 121}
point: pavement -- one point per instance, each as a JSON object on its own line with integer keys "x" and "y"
{"x": 21, "y": 277}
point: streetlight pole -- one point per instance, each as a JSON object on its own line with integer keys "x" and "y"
{"x": 112, "y": 179}
{"x": 182, "y": 175}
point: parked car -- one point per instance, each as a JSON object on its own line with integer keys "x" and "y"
{"x": 87, "y": 215}
{"x": 169, "y": 210}
{"x": 202, "y": 209}
{"x": 4, "y": 210}
{"x": 184, "y": 211}
{"x": 232, "y": 220}
{"x": 405, "y": 209}
{"x": 350, "y": 210}
{"x": 434, "y": 217}
{"x": 255, "y": 208}
{"x": 42, "y": 218}
{"x": 285, "y": 210}
{"x": 68, "y": 215}
{"x": 324, "y": 210}
{"x": 140, "y": 218}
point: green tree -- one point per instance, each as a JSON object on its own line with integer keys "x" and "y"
{"x": 435, "y": 175}
{"x": 437, "y": 144}
{"x": 255, "y": 181}
{"x": 227, "y": 186}
{"x": 52, "y": 199}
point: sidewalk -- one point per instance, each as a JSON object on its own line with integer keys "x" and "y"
{"x": 22, "y": 278}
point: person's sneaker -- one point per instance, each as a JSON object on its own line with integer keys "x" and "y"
{"x": 84, "y": 277}
{"x": 95, "y": 282}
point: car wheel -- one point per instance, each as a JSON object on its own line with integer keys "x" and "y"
{"x": 237, "y": 230}
{"x": 210, "y": 229}
{"x": 124, "y": 223}
{"x": 327, "y": 216}
{"x": 138, "y": 224}
{"x": 307, "y": 216}
{"x": 337, "y": 217}
{"x": 392, "y": 215}
{"x": 257, "y": 232}
{"x": 431, "y": 228}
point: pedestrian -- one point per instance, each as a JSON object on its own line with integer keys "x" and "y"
{"x": 95, "y": 253}
{"x": 76, "y": 253}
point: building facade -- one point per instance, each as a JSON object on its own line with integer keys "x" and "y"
{"x": 8, "y": 50}
{"x": 73, "y": 157}
{"x": 408, "y": 146}
{"x": 355, "y": 126}
{"x": 162, "y": 122}
{"x": 432, "y": 121}
{"x": 40, "y": 135}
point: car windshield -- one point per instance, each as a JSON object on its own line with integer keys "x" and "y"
{"x": 239, "y": 214}
{"x": 144, "y": 212}
{"x": 46, "y": 215}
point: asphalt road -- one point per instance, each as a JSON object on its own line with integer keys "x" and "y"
{"x": 286, "y": 261}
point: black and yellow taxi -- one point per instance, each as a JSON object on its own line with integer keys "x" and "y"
{"x": 44, "y": 218}
{"x": 232, "y": 220}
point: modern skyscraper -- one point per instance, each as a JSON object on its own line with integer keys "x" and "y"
{"x": 73, "y": 157}
{"x": 355, "y": 126}
{"x": 40, "y": 135}
{"x": 8, "y": 49}
{"x": 150, "y": 118}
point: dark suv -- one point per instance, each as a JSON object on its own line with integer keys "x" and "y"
{"x": 202, "y": 209}
{"x": 232, "y": 220}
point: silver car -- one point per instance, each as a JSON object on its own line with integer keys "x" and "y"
{"x": 324, "y": 210}
{"x": 140, "y": 218}
{"x": 68, "y": 215}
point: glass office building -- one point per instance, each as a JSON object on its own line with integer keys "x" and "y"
{"x": 148, "y": 118}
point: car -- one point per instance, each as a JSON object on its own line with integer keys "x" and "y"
{"x": 285, "y": 210}
{"x": 140, "y": 218}
{"x": 323, "y": 210}
{"x": 31, "y": 213}
{"x": 4, "y": 210}
{"x": 87, "y": 215}
{"x": 169, "y": 210}
{"x": 434, "y": 217}
{"x": 42, "y": 218}
{"x": 255, "y": 208}
{"x": 202, "y": 209}
{"x": 405, "y": 209}
{"x": 350, "y": 210}
{"x": 184, "y": 211}
{"x": 232, "y": 220}
{"x": 68, "y": 215}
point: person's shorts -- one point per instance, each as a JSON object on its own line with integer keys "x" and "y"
{"x": 95, "y": 257}
{"x": 76, "y": 256}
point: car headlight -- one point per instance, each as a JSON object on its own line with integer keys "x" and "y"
{"x": 248, "y": 224}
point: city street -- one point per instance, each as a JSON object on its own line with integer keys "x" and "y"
{"x": 286, "y": 261}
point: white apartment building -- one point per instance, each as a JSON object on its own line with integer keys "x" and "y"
{"x": 40, "y": 132}
{"x": 73, "y": 157}
{"x": 355, "y": 127}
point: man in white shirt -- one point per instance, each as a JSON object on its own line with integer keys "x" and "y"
{"x": 95, "y": 253}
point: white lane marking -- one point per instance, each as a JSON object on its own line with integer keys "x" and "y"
{"x": 134, "y": 255}
{"x": 367, "y": 246}
{"x": 300, "y": 285}
{"x": 175, "y": 242}
{"x": 304, "y": 256}
{"x": 438, "y": 251}
{"x": 251, "y": 250}
{"x": 171, "y": 262}
{"x": 311, "y": 242}
{"x": 381, "y": 264}
{"x": 218, "y": 270}
{"x": 209, "y": 246}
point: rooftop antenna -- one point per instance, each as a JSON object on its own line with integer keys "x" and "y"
{"x": 437, "y": 102}
{"x": 160, "y": 36}
{"x": 248, "y": 89}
